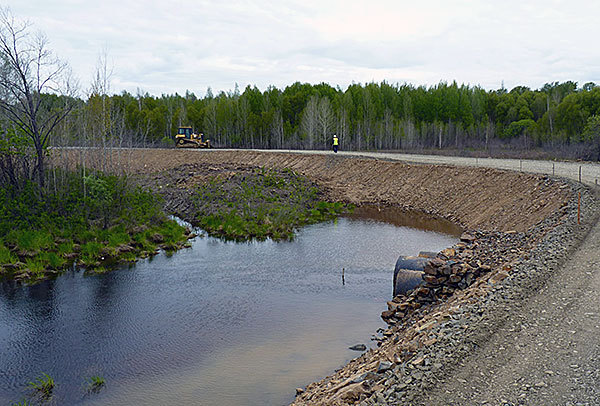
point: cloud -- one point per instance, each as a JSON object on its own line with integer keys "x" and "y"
{"x": 171, "y": 46}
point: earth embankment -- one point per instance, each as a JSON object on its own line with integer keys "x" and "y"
{"x": 482, "y": 198}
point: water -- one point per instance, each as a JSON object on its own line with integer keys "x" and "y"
{"x": 221, "y": 323}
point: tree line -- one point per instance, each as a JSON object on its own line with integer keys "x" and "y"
{"x": 364, "y": 116}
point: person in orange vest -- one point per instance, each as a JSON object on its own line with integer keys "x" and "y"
{"x": 336, "y": 142}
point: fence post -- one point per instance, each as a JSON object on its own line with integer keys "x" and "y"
{"x": 552, "y": 168}
{"x": 579, "y": 173}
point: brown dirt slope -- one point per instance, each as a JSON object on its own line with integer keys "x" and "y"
{"x": 473, "y": 197}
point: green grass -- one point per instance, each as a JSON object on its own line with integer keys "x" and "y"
{"x": 35, "y": 265}
{"x": 64, "y": 248}
{"x": 30, "y": 240}
{"x": 44, "y": 385}
{"x": 142, "y": 240}
{"x": 53, "y": 260}
{"x": 45, "y": 226}
{"x": 6, "y": 257}
{"x": 118, "y": 238}
{"x": 265, "y": 203}
{"x": 90, "y": 253}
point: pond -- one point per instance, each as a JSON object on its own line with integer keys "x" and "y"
{"x": 219, "y": 323}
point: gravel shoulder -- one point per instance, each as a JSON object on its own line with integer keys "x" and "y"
{"x": 547, "y": 350}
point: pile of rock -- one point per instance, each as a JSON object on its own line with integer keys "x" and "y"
{"x": 452, "y": 269}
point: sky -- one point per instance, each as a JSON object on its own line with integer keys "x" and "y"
{"x": 163, "y": 47}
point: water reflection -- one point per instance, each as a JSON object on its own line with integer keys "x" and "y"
{"x": 220, "y": 323}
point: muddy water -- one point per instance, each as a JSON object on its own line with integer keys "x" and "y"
{"x": 221, "y": 323}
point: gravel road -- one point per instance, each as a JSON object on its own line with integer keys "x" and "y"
{"x": 547, "y": 352}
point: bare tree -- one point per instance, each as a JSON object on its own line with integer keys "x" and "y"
{"x": 326, "y": 119}
{"x": 310, "y": 120}
{"x": 29, "y": 73}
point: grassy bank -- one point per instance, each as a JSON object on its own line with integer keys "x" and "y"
{"x": 93, "y": 221}
{"x": 260, "y": 204}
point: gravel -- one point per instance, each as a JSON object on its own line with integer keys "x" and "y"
{"x": 533, "y": 340}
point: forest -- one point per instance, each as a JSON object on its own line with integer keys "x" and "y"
{"x": 372, "y": 116}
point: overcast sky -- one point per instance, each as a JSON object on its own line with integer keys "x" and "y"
{"x": 173, "y": 46}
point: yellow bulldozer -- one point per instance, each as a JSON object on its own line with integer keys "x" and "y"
{"x": 187, "y": 138}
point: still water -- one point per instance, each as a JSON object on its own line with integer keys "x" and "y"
{"x": 221, "y": 323}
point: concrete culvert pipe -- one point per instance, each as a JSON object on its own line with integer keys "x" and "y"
{"x": 408, "y": 273}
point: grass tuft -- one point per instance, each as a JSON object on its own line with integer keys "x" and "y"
{"x": 95, "y": 383}
{"x": 44, "y": 385}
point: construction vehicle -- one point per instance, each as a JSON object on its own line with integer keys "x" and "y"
{"x": 187, "y": 138}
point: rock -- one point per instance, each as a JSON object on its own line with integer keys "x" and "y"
{"x": 358, "y": 347}
{"x": 455, "y": 278}
{"x": 125, "y": 248}
{"x": 448, "y": 253}
{"x": 353, "y": 392}
{"x": 383, "y": 366}
{"x": 430, "y": 279}
{"x": 466, "y": 237}
{"x": 387, "y": 314}
{"x": 364, "y": 377}
{"x": 418, "y": 361}
{"x": 498, "y": 277}
{"x": 299, "y": 391}
{"x": 157, "y": 238}
{"x": 437, "y": 262}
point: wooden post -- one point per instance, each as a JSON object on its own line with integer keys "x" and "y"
{"x": 552, "y": 168}
{"x": 343, "y": 277}
{"x": 579, "y": 208}
{"x": 579, "y": 173}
